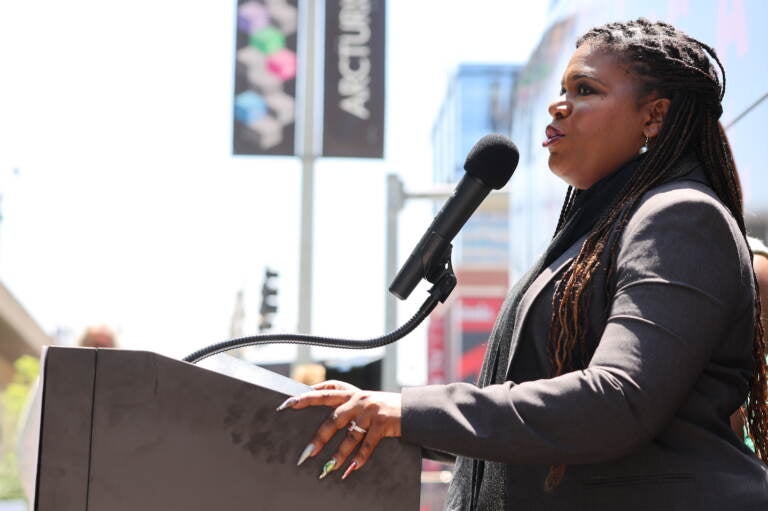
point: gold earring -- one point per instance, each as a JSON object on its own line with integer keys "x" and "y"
{"x": 644, "y": 148}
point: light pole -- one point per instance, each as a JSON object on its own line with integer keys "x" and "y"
{"x": 308, "y": 157}
{"x": 396, "y": 197}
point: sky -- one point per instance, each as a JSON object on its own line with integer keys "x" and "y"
{"x": 121, "y": 200}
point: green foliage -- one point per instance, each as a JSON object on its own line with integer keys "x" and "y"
{"x": 12, "y": 401}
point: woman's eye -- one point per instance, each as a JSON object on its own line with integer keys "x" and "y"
{"x": 581, "y": 90}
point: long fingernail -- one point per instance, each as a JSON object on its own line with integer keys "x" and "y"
{"x": 351, "y": 468}
{"x": 329, "y": 467}
{"x": 287, "y": 404}
{"x": 305, "y": 454}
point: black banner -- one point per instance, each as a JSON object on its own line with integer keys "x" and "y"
{"x": 353, "y": 119}
{"x": 265, "y": 78}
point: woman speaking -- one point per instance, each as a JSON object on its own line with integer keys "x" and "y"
{"x": 617, "y": 360}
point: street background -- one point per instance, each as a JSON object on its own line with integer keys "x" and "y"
{"x": 122, "y": 203}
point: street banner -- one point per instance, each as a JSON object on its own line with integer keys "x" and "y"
{"x": 353, "y": 118}
{"x": 265, "y": 78}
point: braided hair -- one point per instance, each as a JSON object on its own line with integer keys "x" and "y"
{"x": 672, "y": 65}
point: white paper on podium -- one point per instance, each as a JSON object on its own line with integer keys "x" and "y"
{"x": 236, "y": 368}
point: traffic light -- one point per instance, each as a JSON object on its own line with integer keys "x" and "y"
{"x": 268, "y": 300}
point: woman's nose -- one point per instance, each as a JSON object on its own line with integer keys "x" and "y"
{"x": 559, "y": 108}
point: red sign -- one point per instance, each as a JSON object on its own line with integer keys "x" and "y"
{"x": 479, "y": 314}
{"x": 437, "y": 352}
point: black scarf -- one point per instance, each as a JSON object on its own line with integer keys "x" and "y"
{"x": 478, "y": 484}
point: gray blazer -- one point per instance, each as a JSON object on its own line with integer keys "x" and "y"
{"x": 646, "y": 425}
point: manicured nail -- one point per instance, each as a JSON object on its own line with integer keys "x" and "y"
{"x": 351, "y": 468}
{"x": 305, "y": 454}
{"x": 329, "y": 466}
{"x": 287, "y": 404}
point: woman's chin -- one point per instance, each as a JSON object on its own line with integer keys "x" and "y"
{"x": 570, "y": 178}
{"x": 557, "y": 167}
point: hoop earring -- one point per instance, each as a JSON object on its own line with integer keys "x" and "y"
{"x": 644, "y": 148}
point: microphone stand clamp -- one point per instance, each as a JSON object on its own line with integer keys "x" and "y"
{"x": 441, "y": 275}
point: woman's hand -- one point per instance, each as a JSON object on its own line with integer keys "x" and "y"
{"x": 335, "y": 385}
{"x": 366, "y": 415}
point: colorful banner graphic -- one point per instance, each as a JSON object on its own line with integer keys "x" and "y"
{"x": 265, "y": 77}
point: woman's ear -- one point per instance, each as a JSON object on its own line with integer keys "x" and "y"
{"x": 656, "y": 112}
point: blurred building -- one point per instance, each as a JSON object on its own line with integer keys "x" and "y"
{"x": 480, "y": 99}
{"x": 19, "y": 334}
{"x": 733, "y": 27}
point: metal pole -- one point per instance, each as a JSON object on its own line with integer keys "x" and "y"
{"x": 307, "y": 183}
{"x": 745, "y": 112}
{"x": 395, "y": 199}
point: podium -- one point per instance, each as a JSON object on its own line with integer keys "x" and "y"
{"x": 127, "y": 430}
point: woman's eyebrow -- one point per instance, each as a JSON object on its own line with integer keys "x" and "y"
{"x": 577, "y": 76}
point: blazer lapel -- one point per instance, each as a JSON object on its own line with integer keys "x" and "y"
{"x": 691, "y": 170}
{"x": 533, "y": 291}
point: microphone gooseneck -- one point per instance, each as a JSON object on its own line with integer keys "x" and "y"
{"x": 489, "y": 165}
{"x": 241, "y": 342}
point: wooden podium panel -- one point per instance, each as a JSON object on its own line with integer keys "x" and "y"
{"x": 131, "y": 430}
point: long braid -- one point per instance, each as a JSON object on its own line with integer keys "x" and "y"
{"x": 678, "y": 67}
{"x": 567, "y": 205}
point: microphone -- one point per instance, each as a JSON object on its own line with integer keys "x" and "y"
{"x": 489, "y": 165}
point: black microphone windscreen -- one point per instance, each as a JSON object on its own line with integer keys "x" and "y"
{"x": 492, "y": 160}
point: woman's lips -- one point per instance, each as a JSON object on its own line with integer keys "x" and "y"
{"x": 553, "y": 135}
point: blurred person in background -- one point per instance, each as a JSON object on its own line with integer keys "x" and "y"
{"x": 98, "y": 336}
{"x": 309, "y": 374}
{"x": 617, "y": 361}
